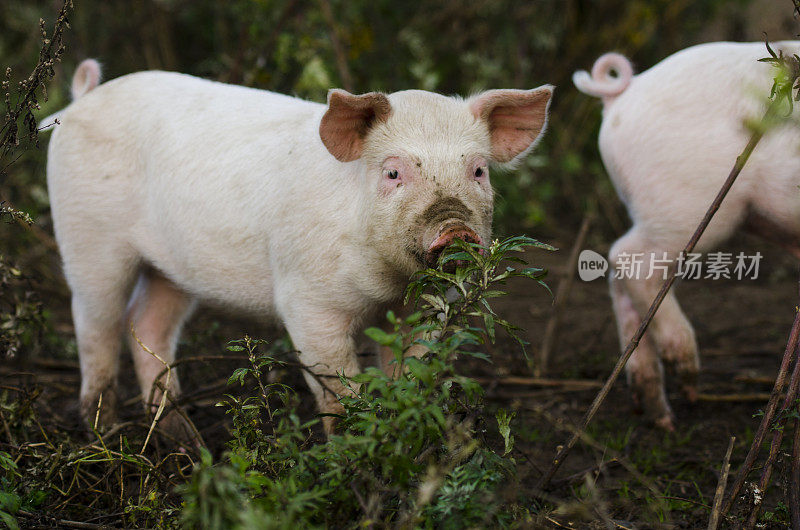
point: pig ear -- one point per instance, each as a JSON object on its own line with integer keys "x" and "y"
{"x": 516, "y": 118}
{"x": 348, "y": 120}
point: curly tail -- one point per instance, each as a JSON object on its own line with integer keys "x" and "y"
{"x": 86, "y": 77}
{"x": 601, "y": 83}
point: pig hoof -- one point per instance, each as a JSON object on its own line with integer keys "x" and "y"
{"x": 99, "y": 413}
{"x": 666, "y": 423}
{"x": 176, "y": 430}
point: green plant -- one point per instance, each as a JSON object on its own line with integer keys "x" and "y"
{"x": 410, "y": 449}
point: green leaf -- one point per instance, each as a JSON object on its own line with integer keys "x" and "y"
{"x": 504, "y": 426}
{"x": 488, "y": 321}
{"x": 9, "y": 520}
{"x": 380, "y": 336}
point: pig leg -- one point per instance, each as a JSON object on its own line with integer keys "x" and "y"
{"x": 644, "y": 371}
{"x": 670, "y": 330}
{"x": 157, "y": 312}
{"x": 385, "y": 355}
{"x": 324, "y": 339}
{"x": 388, "y": 362}
{"x": 100, "y": 283}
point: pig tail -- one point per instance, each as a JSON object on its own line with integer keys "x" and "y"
{"x": 601, "y": 83}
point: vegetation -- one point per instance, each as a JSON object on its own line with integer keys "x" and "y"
{"x": 412, "y": 448}
{"x": 431, "y": 445}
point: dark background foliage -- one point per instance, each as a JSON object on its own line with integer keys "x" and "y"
{"x": 305, "y": 47}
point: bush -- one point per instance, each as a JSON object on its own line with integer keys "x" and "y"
{"x": 411, "y": 448}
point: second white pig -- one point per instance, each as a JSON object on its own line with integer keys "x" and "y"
{"x": 669, "y": 137}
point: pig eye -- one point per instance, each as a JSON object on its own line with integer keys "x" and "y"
{"x": 391, "y": 173}
{"x": 480, "y": 172}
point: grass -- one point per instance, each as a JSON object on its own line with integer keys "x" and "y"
{"x": 412, "y": 448}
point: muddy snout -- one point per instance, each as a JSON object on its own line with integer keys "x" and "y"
{"x": 444, "y": 239}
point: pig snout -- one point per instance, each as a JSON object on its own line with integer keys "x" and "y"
{"x": 446, "y": 237}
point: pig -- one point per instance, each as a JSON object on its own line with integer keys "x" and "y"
{"x": 168, "y": 190}
{"x": 669, "y": 137}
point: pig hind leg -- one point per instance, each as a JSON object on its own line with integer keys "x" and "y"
{"x": 156, "y": 314}
{"x": 644, "y": 370}
{"x": 100, "y": 279}
{"x": 670, "y": 331}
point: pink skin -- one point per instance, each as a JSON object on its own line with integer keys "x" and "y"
{"x": 445, "y": 238}
{"x": 398, "y": 171}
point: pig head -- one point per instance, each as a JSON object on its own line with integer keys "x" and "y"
{"x": 427, "y": 161}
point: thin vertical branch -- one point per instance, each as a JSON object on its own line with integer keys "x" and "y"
{"x": 777, "y": 437}
{"x": 720, "y": 493}
{"x": 338, "y": 47}
{"x": 564, "y": 287}
{"x": 794, "y": 480}
{"x": 769, "y": 413}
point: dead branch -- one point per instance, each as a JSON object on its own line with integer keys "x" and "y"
{"x": 794, "y": 482}
{"x": 720, "y": 493}
{"x": 63, "y": 522}
{"x": 733, "y": 398}
{"x": 338, "y": 48}
{"x": 540, "y": 381}
{"x": 562, "y": 294}
{"x": 777, "y": 437}
{"x": 769, "y": 413}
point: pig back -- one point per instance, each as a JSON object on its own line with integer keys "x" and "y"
{"x": 671, "y": 138}
{"x": 206, "y": 180}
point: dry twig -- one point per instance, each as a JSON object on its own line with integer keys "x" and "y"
{"x": 720, "y": 493}
{"x": 564, "y": 287}
{"x": 769, "y": 413}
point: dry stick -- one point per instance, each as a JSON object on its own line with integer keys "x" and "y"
{"x": 64, "y": 522}
{"x": 794, "y": 481}
{"x": 769, "y": 412}
{"x": 339, "y": 50}
{"x": 735, "y": 398}
{"x": 588, "y": 440}
{"x": 720, "y": 493}
{"x": 163, "y": 401}
{"x": 564, "y": 287}
{"x": 40, "y": 234}
{"x": 540, "y": 381}
{"x": 777, "y": 437}
{"x": 741, "y": 160}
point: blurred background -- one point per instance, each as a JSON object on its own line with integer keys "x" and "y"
{"x": 305, "y": 47}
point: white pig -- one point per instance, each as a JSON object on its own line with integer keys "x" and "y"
{"x": 166, "y": 189}
{"x": 669, "y": 138}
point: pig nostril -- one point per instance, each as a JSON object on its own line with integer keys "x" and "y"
{"x": 433, "y": 256}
